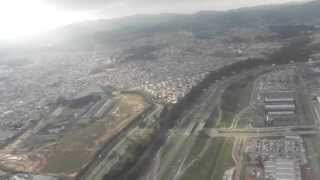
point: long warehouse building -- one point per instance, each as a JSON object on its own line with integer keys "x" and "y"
{"x": 280, "y": 107}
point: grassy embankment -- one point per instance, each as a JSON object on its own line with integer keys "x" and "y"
{"x": 234, "y": 99}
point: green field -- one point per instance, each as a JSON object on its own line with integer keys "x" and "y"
{"x": 213, "y": 163}
{"x": 235, "y": 97}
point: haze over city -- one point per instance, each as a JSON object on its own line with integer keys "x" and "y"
{"x": 159, "y": 90}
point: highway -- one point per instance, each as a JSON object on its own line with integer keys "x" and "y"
{"x": 253, "y": 132}
{"x": 262, "y": 132}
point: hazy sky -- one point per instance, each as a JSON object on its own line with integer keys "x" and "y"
{"x": 25, "y": 18}
{"x": 115, "y": 8}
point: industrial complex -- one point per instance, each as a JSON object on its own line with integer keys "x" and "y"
{"x": 283, "y": 100}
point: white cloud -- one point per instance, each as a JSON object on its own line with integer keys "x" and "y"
{"x": 22, "y": 19}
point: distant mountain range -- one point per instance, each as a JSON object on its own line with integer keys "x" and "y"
{"x": 203, "y": 24}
